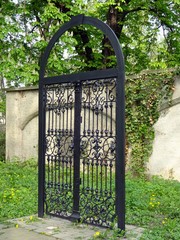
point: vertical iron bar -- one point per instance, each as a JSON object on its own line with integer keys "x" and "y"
{"x": 120, "y": 150}
{"x": 71, "y": 133}
{"x": 77, "y": 124}
{"x": 59, "y": 135}
{"x": 111, "y": 111}
{"x": 41, "y": 159}
{"x": 56, "y": 135}
{"x": 89, "y": 110}
{"x": 63, "y": 137}
{"x": 67, "y": 111}
{"x": 89, "y": 133}
{"x": 97, "y": 166}
{"x": 84, "y": 128}
{"x": 106, "y": 107}
{"x": 102, "y": 127}
{"x": 110, "y": 181}
{"x": 66, "y": 137}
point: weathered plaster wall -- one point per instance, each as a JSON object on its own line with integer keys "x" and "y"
{"x": 165, "y": 158}
{"x": 22, "y": 123}
{"x": 22, "y": 131}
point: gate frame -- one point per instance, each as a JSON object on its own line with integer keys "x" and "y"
{"x": 117, "y": 72}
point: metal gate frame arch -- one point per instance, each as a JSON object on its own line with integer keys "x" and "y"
{"x": 120, "y": 112}
{"x": 81, "y": 20}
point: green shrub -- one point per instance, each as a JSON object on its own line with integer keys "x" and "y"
{"x": 2, "y": 146}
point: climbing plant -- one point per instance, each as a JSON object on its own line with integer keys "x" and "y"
{"x": 144, "y": 94}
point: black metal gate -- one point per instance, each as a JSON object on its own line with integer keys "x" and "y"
{"x": 81, "y": 139}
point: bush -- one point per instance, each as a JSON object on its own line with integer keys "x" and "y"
{"x": 2, "y": 146}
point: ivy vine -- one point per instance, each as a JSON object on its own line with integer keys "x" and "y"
{"x": 144, "y": 94}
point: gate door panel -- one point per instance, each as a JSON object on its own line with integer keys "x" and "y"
{"x": 98, "y": 140}
{"x": 59, "y": 151}
{"x": 81, "y": 139}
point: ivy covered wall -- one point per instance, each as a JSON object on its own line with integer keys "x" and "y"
{"x": 146, "y": 93}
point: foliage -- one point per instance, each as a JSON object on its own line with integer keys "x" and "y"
{"x": 154, "y": 204}
{"x": 2, "y": 102}
{"x": 138, "y": 24}
{"x": 150, "y": 203}
{"x": 18, "y": 189}
{"x": 27, "y": 26}
{"x": 144, "y": 94}
{"x": 2, "y": 146}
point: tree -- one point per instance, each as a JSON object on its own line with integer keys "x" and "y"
{"x": 137, "y": 24}
{"x": 27, "y": 26}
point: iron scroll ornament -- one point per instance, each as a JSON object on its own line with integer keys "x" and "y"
{"x": 60, "y": 194}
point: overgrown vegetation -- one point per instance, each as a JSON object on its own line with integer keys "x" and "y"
{"x": 144, "y": 94}
{"x": 2, "y": 146}
{"x": 152, "y": 204}
{"x": 18, "y": 189}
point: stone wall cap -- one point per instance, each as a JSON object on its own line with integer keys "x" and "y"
{"x": 150, "y": 71}
{"x": 17, "y": 89}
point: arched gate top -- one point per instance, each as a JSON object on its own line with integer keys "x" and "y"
{"x": 80, "y": 20}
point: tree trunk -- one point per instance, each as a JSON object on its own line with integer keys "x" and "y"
{"x": 115, "y": 20}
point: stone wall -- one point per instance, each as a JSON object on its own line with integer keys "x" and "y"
{"x": 22, "y": 120}
{"x": 165, "y": 158}
{"x": 22, "y": 131}
{"x": 21, "y": 123}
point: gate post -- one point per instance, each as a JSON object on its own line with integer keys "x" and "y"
{"x": 41, "y": 159}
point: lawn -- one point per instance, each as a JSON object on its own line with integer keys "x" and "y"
{"x": 18, "y": 189}
{"x": 153, "y": 204}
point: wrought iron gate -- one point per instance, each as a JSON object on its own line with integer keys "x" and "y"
{"x": 81, "y": 140}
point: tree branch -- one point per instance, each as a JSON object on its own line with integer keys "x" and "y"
{"x": 87, "y": 51}
{"x": 135, "y": 10}
{"x": 163, "y": 21}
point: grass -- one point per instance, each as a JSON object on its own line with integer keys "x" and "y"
{"x": 18, "y": 189}
{"x": 153, "y": 204}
